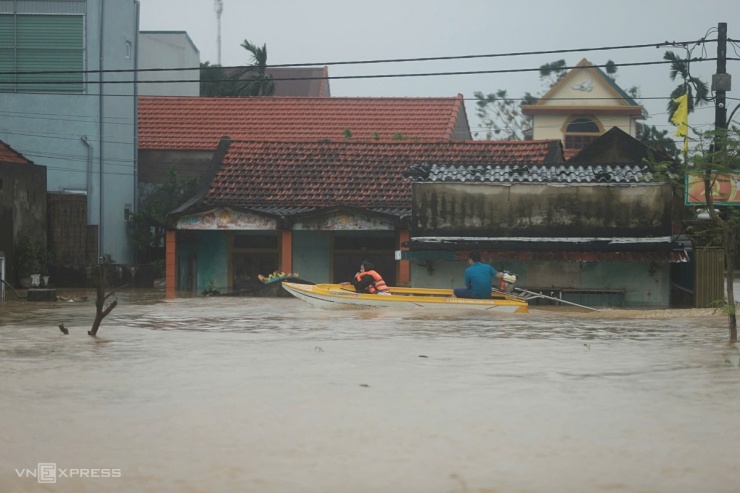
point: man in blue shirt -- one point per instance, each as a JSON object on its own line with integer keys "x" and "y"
{"x": 478, "y": 279}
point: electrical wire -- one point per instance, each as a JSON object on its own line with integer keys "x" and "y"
{"x": 373, "y": 76}
{"x": 354, "y": 77}
{"x": 388, "y": 60}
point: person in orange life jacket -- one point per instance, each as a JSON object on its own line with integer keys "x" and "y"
{"x": 368, "y": 280}
{"x": 478, "y": 279}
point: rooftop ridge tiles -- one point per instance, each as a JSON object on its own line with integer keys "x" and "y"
{"x": 306, "y": 98}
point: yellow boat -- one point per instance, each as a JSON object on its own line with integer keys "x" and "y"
{"x": 343, "y": 296}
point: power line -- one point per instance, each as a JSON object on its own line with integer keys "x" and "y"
{"x": 501, "y": 71}
{"x": 352, "y": 77}
{"x": 377, "y": 61}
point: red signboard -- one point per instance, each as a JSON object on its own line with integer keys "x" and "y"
{"x": 725, "y": 190}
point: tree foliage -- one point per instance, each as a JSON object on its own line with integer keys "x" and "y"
{"x": 658, "y": 140}
{"x": 258, "y": 82}
{"x": 712, "y": 162}
{"x": 502, "y": 115}
{"x": 147, "y": 225}
{"x": 252, "y": 80}
{"x": 697, "y": 89}
{"x": 215, "y": 82}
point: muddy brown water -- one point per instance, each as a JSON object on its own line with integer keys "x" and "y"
{"x": 229, "y": 394}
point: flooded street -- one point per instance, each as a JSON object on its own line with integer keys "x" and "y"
{"x": 230, "y": 394}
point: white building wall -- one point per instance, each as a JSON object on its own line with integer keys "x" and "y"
{"x": 553, "y": 126}
{"x": 163, "y": 50}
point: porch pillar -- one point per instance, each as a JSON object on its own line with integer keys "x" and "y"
{"x": 170, "y": 263}
{"x": 404, "y": 269}
{"x": 286, "y": 251}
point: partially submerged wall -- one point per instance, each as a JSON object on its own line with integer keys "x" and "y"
{"x": 540, "y": 210}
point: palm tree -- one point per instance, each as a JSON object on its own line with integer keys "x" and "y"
{"x": 696, "y": 88}
{"x": 259, "y": 82}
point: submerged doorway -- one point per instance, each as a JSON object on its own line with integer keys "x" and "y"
{"x": 253, "y": 254}
{"x": 351, "y": 248}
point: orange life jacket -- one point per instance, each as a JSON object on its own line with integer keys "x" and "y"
{"x": 377, "y": 285}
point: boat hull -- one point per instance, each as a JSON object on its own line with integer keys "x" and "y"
{"x": 337, "y": 296}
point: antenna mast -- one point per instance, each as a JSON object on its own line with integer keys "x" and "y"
{"x": 219, "y": 7}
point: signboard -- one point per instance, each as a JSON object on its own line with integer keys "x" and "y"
{"x": 725, "y": 191}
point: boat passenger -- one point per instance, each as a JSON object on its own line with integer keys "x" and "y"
{"x": 478, "y": 279}
{"x": 369, "y": 281}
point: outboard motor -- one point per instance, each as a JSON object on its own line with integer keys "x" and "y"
{"x": 506, "y": 284}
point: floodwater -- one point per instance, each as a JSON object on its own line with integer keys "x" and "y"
{"x": 228, "y": 394}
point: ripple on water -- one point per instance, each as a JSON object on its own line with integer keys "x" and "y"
{"x": 226, "y": 392}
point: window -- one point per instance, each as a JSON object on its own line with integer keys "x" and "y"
{"x": 580, "y": 133}
{"x": 41, "y": 44}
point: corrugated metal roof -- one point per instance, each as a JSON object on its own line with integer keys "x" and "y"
{"x": 532, "y": 173}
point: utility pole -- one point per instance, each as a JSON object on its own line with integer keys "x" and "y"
{"x": 720, "y": 83}
{"x": 218, "y": 7}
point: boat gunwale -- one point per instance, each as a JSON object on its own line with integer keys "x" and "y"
{"x": 337, "y": 293}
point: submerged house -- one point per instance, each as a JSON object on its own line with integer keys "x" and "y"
{"x": 595, "y": 230}
{"x": 315, "y": 208}
{"x": 22, "y": 207}
{"x": 183, "y": 133}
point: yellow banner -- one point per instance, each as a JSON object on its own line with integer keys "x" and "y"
{"x": 725, "y": 190}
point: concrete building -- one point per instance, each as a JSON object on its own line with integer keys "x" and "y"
{"x": 80, "y": 123}
{"x": 22, "y": 207}
{"x": 162, "y": 50}
{"x": 316, "y": 208}
{"x": 583, "y": 105}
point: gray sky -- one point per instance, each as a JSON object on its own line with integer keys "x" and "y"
{"x": 299, "y": 31}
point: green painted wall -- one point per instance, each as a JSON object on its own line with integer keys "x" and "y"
{"x": 645, "y": 284}
{"x": 311, "y": 255}
{"x": 213, "y": 260}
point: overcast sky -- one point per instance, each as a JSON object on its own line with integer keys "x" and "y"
{"x": 325, "y": 31}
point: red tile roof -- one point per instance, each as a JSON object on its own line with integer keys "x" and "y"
{"x": 366, "y": 175}
{"x": 191, "y": 123}
{"x": 570, "y": 152}
{"x": 8, "y": 155}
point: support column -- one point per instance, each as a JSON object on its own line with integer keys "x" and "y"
{"x": 404, "y": 266}
{"x": 170, "y": 263}
{"x": 286, "y": 251}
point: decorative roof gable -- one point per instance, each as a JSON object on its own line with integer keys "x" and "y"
{"x": 585, "y": 89}
{"x": 191, "y": 123}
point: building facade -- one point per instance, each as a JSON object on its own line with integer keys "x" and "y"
{"x": 315, "y": 208}
{"x": 22, "y": 207}
{"x": 581, "y": 106}
{"x": 162, "y": 50}
{"x": 81, "y": 124}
